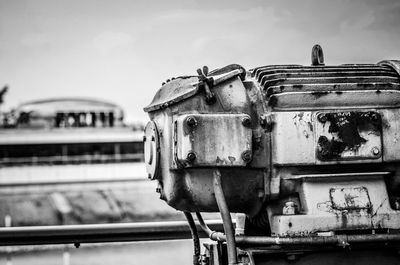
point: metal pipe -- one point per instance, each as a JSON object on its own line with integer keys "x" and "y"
{"x": 195, "y": 237}
{"x": 79, "y": 234}
{"x": 226, "y": 218}
{"x": 213, "y": 235}
{"x": 340, "y": 240}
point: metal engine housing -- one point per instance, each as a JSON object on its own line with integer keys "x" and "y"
{"x": 314, "y": 148}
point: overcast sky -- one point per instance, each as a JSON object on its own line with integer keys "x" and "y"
{"x": 122, "y": 50}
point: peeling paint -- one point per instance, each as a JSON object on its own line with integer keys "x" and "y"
{"x": 345, "y": 129}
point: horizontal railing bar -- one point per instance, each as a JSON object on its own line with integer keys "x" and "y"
{"x": 99, "y": 233}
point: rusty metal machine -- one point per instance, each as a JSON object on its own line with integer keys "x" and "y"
{"x": 307, "y": 156}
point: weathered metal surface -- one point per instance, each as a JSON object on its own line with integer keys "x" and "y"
{"x": 350, "y": 199}
{"x": 293, "y": 138}
{"x": 348, "y": 135}
{"x": 321, "y": 144}
{"x": 328, "y": 100}
{"x": 394, "y": 64}
{"x": 331, "y": 204}
{"x": 213, "y": 140}
{"x": 174, "y": 91}
{"x": 390, "y": 134}
{"x": 151, "y": 150}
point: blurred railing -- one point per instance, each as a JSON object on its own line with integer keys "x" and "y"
{"x": 99, "y": 233}
{"x": 76, "y": 159}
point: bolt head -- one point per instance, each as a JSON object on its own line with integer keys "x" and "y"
{"x": 246, "y": 121}
{"x": 374, "y": 117}
{"x": 246, "y": 156}
{"x": 191, "y": 121}
{"x": 191, "y": 156}
{"x": 322, "y": 117}
{"x": 375, "y": 151}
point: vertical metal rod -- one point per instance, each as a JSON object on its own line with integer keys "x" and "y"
{"x": 7, "y": 223}
{"x": 226, "y": 218}
{"x": 195, "y": 237}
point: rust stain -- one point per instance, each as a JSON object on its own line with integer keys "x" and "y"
{"x": 231, "y": 159}
{"x": 347, "y": 126}
{"x": 318, "y": 94}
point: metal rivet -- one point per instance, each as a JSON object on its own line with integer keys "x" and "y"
{"x": 246, "y": 156}
{"x": 191, "y": 156}
{"x": 374, "y": 117}
{"x": 191, "y": 121}
{"x": 375, "y": 151}
{"x": 322, "y": 117}
{"x": 246, "y": 121}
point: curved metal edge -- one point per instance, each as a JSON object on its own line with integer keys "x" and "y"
{"x": 394, "y": 64}
{"x": 190, "y": 93}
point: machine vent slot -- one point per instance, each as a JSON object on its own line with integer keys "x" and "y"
{"x": 294, "y": 78}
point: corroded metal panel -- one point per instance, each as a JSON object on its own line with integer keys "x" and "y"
{"x": 350, "y": 198}
{"x": 293, "y": 138}
{"x": 348, "y": 135}
{"x": 213, "y": 140}
{"x": 391, "y": 134}
{"x": 360, "y": 202}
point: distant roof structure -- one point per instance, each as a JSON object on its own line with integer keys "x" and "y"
{"x": 50, "y": 106}
{"x": 67, "y": 113}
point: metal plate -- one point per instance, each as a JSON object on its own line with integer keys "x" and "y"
{"x": 349, "y": 135}
{"x": 151, "y": 150}
{"x": 350, "y": 198}
{"x": 213, "y": 140}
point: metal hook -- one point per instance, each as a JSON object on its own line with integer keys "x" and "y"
{"x": 317, "y": 56}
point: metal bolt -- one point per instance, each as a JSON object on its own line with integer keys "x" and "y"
{"x": 191, "y": 121}
{"x": 375, "y": 151}
{"x": 289, "y": 208}
{"x": 246, "y": 122}
{"x": 374, "y": 116}
{"x": 322, "y": 117}
{"x": 191, "y": 156}
{"x": 246, "y": 156}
